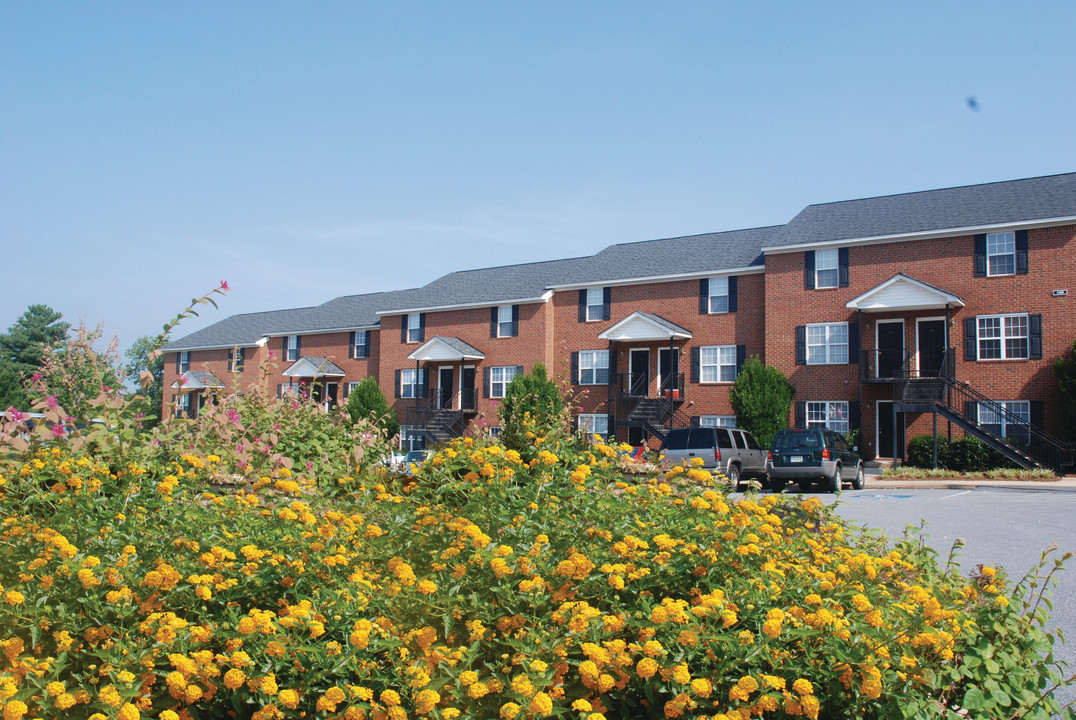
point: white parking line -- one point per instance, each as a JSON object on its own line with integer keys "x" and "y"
{"x": 965, "y": 492}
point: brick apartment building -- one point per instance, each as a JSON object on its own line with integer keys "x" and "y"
{"x": 890, "y": 315}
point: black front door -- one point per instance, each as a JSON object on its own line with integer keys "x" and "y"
{"x": 445, "y": 389}
{"x": 886, "y": 431}
{"x": 931, "y": 342}
{"x": 890, "y": 348}
{"x": 639, "y": 382}
{"x": 669, "y": 370}
{"x": 467, "y": 401}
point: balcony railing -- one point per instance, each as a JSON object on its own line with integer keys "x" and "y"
{"x": 634, "y": 385}
{"x": 896, "y": 364}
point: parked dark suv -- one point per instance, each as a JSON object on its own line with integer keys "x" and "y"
{"x": 729, "y": 451}
{"x": 814, "y": 455}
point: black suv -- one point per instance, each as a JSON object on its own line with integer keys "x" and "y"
{"x": 814, "y": 455}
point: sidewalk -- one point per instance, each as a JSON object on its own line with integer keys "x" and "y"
{"x": 876, "y": 482}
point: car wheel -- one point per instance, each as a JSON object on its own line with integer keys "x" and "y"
{"x": 777, "y": 485}
{"x": 860, "y": 480}
{"x": 833, "y": 484}
{"x": 733, "y": 476}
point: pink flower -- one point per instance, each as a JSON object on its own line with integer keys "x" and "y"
{"x": 58, "y": 431}
{"x": 35, "y": 377}
{"x": 239, "y": 447}
{"x": 16, "y": 415}
{"x": 272, "y": 353}
{"x": 224, "y": 285}
{"x": 52, "y": 402}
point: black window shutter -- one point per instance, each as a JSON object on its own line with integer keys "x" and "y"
{"x": 980, "y": 256}
{"x": 403, "y": 328}
{"x": 741, "y": 357}
{"x": 279, "y": 390}
{"x": 242, "y": 359}
{"x": 1034, "y": 337}
{"x": 366, "y": 343}
{"x": 515, "y": 321}
{"x": 351, "y": 345}
{"x": 178, "y": 356}
{"x": 801, "y": 414}
{"x": 801, "y": 344}
{"x": 298, "y": 346}
{"x": 853, "y": 415}
{"x": 583, "y": 305}
{"x": 1037, "y": 416}
{"x": 842, "y": 267}
{"x": 971, "y": 411}
{"x": 575, "y": 368}
{"x": 422, "y": 327}
{"x": 971, "y": 339}
{"x": 696, "y": 363}
{"x": 424, "y": 380}
{"x": 612, "y": 366}
{"x": 285, "y": 355}
{"x": 485, "y": 382}
{"x": 694, "y": 421}
{"x": 607, "y": 299}
{"x": 808, "y": 270}
{"x": 732, "y": 294}
{"x": 398, "y": 379}
{"x": 347, "y": 389}
{"x": 494, "y": 316}
{"x": 1021, "y": 252}
{"x": 704, "y": 296}
{"x": 853, "y": 343}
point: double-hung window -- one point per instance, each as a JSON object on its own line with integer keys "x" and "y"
{"x": 593, "y": 424}
{"x": 349, "y": 388}
{"x": 1003, "y": 337}
{"x": 594, "y": 367}
{"x": 728, "y": 421}
{"x": 183, "y": 362}
{"x": 505, "y": 325}
{"x": 831, "y": 415}
{"x": 827, "y": 344}
{"x": 595, "y": 304}
{"x": 236, "y": 356}
{"x": 410, "y": 383}
{"x": 185, "y": 402}
{"x": 1001, "y": 253}
{"x": 826, "y": 268}
{"x": 499, "y": 377}
{"x": 717, "y": 364}
{"x": 297, "y": 389}
{"x": 359, "y": 347}
{"x": 414, "y": 327}
{"x": 719, "y": 295}
{"x": 1009, "y": 419}
{"x": 291, "y": 344}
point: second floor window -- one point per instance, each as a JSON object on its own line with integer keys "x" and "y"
{"x": 827, "y": 344}
{"x": 506, "y": 321}
{"x": 360, "y": 342}
{"x": 826, "y": 273}
{"x": 594, "y": 367}
{"x": 183, "y": 362}
{"x": 719, "y": 295}
{"x": 1001, "y": 253}
{"x": 291, "y": 348}
{"x": 236, "y": 356}
{"x": 1003, "y": 337}
{"x": 414, "y": 328}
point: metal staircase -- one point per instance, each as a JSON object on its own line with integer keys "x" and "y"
{"x": 1028, "y": 445}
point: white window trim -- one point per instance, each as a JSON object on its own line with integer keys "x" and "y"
{"x": 349, "y": 388}
{"x": 410, "y": 378}
{"x": 725, "y": 421}
{"x": 716, "y": 283}
{"x": 292, "y": 353}
{"x": 827, "y": 267}
{"x": 184, "y": 402}
{"x": 414, "y": 327}
{"x": 1002, "y": 338}
{"x": 1010, "y": 240}
{"x": 589, "y": 361}
{"x": 593, "y": 424}
{"x": 1008, "y": 407}
{"x": 507, "y": 373}
{"x": 828, "y": 344}
{"x": 504, "y": 321}
{"x": 599, "y": 305}
{"x": 296, "y": 388}
{"x": 360, "y": 342}
{"x": 721, "y": 350}
{"x": 833, "y": 410}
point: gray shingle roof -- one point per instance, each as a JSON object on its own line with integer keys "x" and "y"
{"x": 970, "y": 206}
{"x": 242, "y": 330}
{"x": 355, "y": 311}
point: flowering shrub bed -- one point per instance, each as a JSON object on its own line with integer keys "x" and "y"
{"x": 484, "y": 587}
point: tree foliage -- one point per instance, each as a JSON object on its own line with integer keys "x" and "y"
{"x": 761, "y": 398}
{"x": 367, "y": 401}
{"x": 23, "y": 349}
{"x": 78, "y": 371}
{"x": 1065, "y": 372}
{"x": 533, "y": 406}
{"x": 144, "y": 372}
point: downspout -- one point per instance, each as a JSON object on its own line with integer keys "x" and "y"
{"x": 859, "y": 319}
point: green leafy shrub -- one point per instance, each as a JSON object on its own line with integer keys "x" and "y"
{"x": 761, "y": 398}
{"x": 533, "y": 407}
{"x": 367, "y": 402}
{"x": 921, "y": 451}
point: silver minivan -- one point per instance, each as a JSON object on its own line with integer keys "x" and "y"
{"x": 732, "y": 452}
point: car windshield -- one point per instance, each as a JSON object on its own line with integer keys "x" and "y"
{"x": 797, "y": 439}
{"x": 415, "y": 456}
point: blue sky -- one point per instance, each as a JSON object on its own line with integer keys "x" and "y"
{"x": 308, "y": 150}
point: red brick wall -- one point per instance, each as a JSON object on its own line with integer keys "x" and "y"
{"x": 216, "y": 362}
